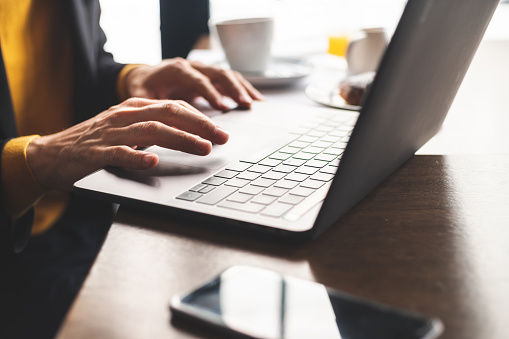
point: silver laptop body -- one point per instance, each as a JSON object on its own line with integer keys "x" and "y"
{"x": 293, "y": 171}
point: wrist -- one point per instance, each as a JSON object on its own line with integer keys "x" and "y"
{"x": 39, "y": 167}
{"x": 20, "y": 187}
{"x": 127, "y": 82}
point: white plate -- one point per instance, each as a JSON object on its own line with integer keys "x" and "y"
{"x": 329, "y": 96}
{"x": 280, "y": 72}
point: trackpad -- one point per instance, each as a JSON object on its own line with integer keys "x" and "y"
{"x": 243, "y": 141}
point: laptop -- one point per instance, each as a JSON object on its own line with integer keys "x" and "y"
{"x": 292, "y": 170}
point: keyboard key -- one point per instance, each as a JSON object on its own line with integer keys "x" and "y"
{"x": 306, "y": 170}
{"x": 294, "y": 162}
{"x": 312, "y": 183}
{"x": 238, "y": 166}
{"x": 275, "y": 191}
{"x": 248, "y": 175}
{"x": 329, "y": 169}
{"x": 189, "y": 196}
{"x": 263, "y": 199}
{"x": 290, "y": 150}
{"x": 280, "y": 156}
{"x": 330, "y": 138}
{"x": 291, "y": 199}
{"x": 339, "y": 133}
{"x": 302, "y": 191}
{"x": 259, "y": 168}
{"x": 322, "y": 176}
{"x": 250, "y": 208}
{"x": 276, "y": 210}
{"x": 302, "y": 208}
{"x": 307, "y": 138}
{"x": 317, "y": 134}
{"x": 239, "y": 197}
{"x": 236, "y": 182}
{"x": 325, "y": 128}
{"x": 288, "y": 184}
{"x": 207, "y": 189}
{"x": 333, "y": 151}
{"x": 325, "y": 157}
{"x": 316, "y": 163}
{"x": 250, "y": 189}
{"x": 335, "y": 162}
{"x": 270, "y": 162}
{"x": 321, "y": 144}
{"x": 217, "y": 195}
{"x": 197, "y": 188}
{"x": 297, "y": 176}
{"x": 274, "y": 175}
{"x": 304, "y": 156}
{"x": 284, "y": 168}
{"x": 299, "y": 144}
{"x": 215, "y": 181}
{"x": 313, "y": 150}
{"x": 255, "y": 157}
{"x": 227, "y": 174}
{"x": 340, "y": 144}
{"x": 262, "y": 182}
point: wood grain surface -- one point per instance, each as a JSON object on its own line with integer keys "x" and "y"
{"x": 431, "y": 239}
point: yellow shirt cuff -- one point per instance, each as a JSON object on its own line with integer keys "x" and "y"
{"x": 121, "y": 84}
{"x": 20, "y": 187}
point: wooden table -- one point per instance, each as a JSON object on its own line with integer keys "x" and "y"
{"x": 433, "y": 238}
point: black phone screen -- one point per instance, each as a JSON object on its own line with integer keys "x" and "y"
{"x": 264, "y": 304}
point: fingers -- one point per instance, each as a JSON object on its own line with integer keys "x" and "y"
{"x": 177, "y": 114}
{"x": 155, "y": 133}
{"x": 253, "y": 92}
{"x": 204, "y": 87}
{"x": 138, "y": 102}
{"x": 233, "y": 84}
{"x": 126, "y": 157}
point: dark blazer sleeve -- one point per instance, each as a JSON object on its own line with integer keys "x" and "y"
{"x": 96, "y": 72}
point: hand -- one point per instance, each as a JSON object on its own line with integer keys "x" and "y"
{"x": 181, "y": 79}
{"x": 112, "y": 138}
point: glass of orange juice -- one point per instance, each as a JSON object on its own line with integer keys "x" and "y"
{"x": 338, "y": 43}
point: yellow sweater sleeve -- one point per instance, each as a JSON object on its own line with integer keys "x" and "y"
{"x": 20, "y": 188}
{"x": 121, "y": 85}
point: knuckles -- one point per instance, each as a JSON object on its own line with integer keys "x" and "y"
{"x": 132, "y": 102}
{"x": 115, "y": 154}
{"x": 149, "y": 128}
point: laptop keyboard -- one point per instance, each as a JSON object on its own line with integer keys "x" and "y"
{"x": 285, "y": 182}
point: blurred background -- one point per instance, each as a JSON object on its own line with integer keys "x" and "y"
{"x": 303, "y": 27}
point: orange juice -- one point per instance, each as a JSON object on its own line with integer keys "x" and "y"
{"x": 338, "y": 44}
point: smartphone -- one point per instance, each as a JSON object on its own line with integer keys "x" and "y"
{"x": 249, "y": 302}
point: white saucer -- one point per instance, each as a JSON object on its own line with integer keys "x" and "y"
{"x": 280, "y": 72}
{"x": 329, "y": 97}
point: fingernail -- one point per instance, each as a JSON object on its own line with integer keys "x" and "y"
{"x": 247, "y": 99}
{"x": 148, "y": 159}
{"x": 203, "y": 146}
{"x": 221, "y": 135}
{"x": 226, "y": 105}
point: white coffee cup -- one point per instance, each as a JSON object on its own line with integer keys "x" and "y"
{"x": 365, "y": 50}
{"x": 246, "y": 43}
